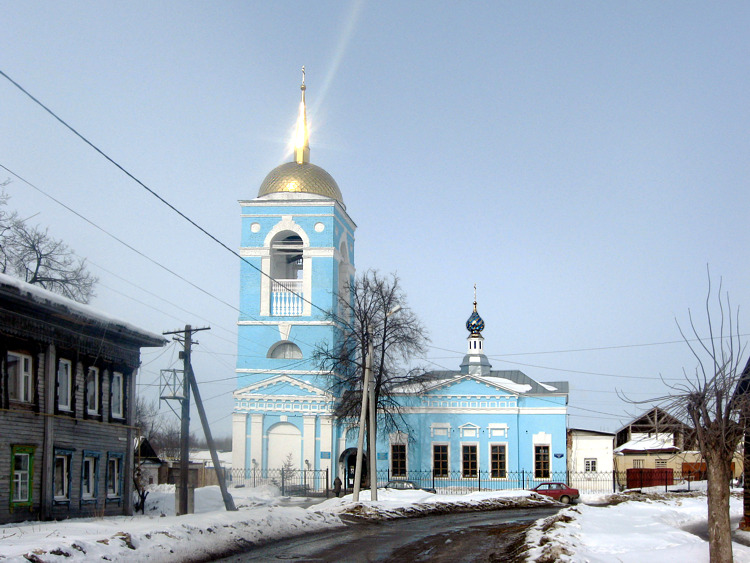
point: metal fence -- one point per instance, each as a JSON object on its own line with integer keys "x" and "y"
{"x": 457, "y": 483}
{"x": 291, "y": 482}
{"x": 312, "y": 482}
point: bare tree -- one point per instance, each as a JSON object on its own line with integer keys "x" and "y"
{"x": 148, "y": 419}
{"x": 713, "y": 400}
{"x": 397, "y": 340}
{"x": 32, "y": 254}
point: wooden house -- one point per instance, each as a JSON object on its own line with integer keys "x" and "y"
{"x": 67, "y": 400}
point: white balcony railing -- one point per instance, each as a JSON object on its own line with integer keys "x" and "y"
{"x": 286, "y": 298}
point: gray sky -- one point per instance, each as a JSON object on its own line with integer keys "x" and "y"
{"x": 581, "y": 163}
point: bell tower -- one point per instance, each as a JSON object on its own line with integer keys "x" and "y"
{"x": 297, "y": 245}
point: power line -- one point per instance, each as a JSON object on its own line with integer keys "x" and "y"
{"x": 153, "y": 261}
{"x": 161, "y": 199}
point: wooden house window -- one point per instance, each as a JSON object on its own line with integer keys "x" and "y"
{"x": 20, "y": 378}
{"x": 23, "y": 471}
{"x": 92, "y": 390}
{"x": 64, "y": 385}
{"x": 117, "y": 395}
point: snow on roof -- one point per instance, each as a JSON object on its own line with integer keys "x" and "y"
{"x": 647, "y": 443}
{"x": 548, "y": 387}
{"x": 225, "y": 458}
{"x": 46, "y": 297}
{"x": 506, "y": 383}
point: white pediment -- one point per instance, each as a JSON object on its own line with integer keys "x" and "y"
{"x": 282, "y": 386}
{"x": 478, "y": 386}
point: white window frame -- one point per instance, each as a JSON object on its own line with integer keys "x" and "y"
{"x": 448, "y": 460}
{"x": 114, "y": 468}
{"x": 88, "y": 476}
{"x": 539, "y": 474}
{"x": 489, "y": 453}
{"x": 661, "y": 463}
{"x": 24, "y": 379}
{"x": 589, "y": 464}
{"x": 21, "y": 477}
{"x": 477, "y": 458}
{"x": 639, "y": 463}
{"x": 64, "y": 385}
{"x": 64, "y": 478}
{"x": 95, "y": 371}
{"x": 117, "y": 392}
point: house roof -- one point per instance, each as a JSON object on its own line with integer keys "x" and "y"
{"x": 586, "y": 431}
{"x": 513, "y": 380}
{"x": 67, "y": 311}
{"x": 655, "y": 420}
{"x": 646, "y": 444}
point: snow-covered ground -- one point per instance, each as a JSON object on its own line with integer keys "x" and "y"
{"x": 648, "y": 529}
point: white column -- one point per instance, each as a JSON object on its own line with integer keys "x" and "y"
{"x": 326, "y": 444}
{"x": 308, "y": 440}
{"x": 239, "y": 439}
{"x": 265, "y": 285}
{"x": 256, "y": 438}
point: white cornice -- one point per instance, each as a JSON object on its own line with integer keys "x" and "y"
{"x": 323, "y": 202}
{"x": 281, "y": 372}
{"x": 485, "y": 410}
{"x": 292, "y": 323}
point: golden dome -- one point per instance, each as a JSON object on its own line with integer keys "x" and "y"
{"x": 305, "y": 178}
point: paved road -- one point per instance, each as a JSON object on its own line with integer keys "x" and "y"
{"x": 454, "y": 538}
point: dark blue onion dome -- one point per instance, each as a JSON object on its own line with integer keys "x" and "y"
{"x": 475, "y": 324}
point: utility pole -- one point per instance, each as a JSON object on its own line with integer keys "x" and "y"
{"x": 186, "y": 337}
{"x": 362, "y": 415}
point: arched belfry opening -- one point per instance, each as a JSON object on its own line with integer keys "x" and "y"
{"x": 287, "y": 271}
{"x": 286, "y": 256}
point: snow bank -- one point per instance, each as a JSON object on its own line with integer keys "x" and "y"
{"x": 633, "y": 531}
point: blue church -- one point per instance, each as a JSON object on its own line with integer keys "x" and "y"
{"x": 297, "y": 242}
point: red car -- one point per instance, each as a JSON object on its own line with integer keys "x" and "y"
{"x": 558, "y": 491}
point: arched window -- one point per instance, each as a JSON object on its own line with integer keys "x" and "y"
{"x": 286, "y": 256}
{"x": 284, "y": 350}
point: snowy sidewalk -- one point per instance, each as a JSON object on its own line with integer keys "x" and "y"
{"x": 632, "y": 532}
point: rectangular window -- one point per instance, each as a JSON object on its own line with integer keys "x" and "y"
{"x": 64, "y": 385}
{"x": 117, "y": 397}
{"x": 90, "y": 476}
{"x": 498, "y": 461}
{"x": 541, "y": 462}
{"x": 20, "y": 381}
{"x": 61, "y": 475}
{"x": 638, "y": 464}
{"x": 440, "y": 460}
{"x": 23, "y": 471}
{"x": 92, "y": 390}
{"x": 469, "y": 460}
{"x": 398, "y": 460}
{"x": 114, "y": 475}
{"x": 661, "y": 463}
{"x": 590, "y": 465}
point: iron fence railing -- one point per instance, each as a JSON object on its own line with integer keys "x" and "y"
{"x": 456, "y": 482}
{"x": 291, "y": 482}
{"x": 312, "y": 482}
